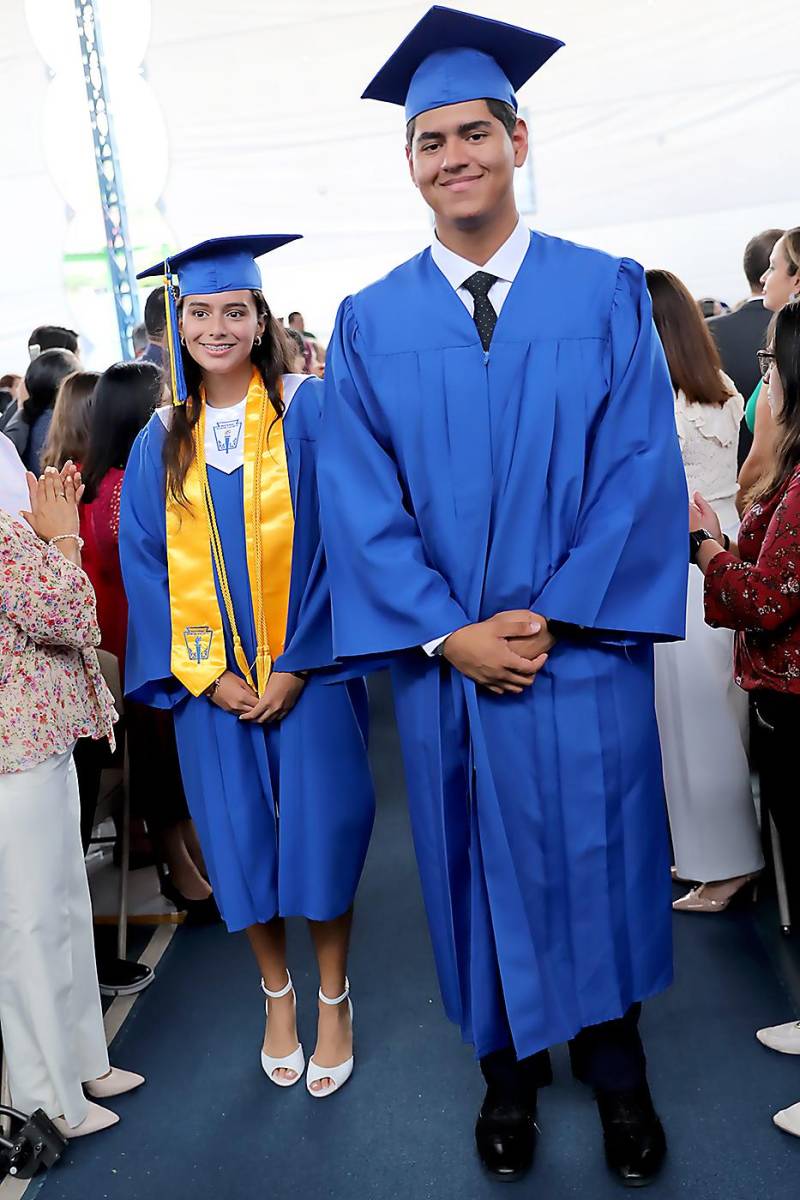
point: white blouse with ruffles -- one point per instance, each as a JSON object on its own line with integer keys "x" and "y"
{"x": 709, "y": 437}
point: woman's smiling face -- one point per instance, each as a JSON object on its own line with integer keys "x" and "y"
{"x": 219, "y": 330}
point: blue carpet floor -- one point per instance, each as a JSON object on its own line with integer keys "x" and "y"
{"x": 209, "y": 1125}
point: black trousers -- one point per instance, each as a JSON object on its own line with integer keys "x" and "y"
{"x": 777, "y": 734}
{"x": 156, "y": 787}
{"x": 608, "y": 1057}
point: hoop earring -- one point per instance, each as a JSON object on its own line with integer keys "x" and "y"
{"x": 183, "y": 341}
{"x": 258, "y": 340}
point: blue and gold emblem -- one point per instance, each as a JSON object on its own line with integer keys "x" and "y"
{"x": 198, "y": 642}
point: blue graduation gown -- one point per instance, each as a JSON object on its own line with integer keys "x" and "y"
{"x": 543, "y": 475}
{"x": 283, "y": 811}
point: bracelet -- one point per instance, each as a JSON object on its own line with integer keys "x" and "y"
{"x": 63, "y": 537}
{"x": 211, "y": 690}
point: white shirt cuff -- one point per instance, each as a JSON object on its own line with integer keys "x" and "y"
{"x": 432, "y": 649}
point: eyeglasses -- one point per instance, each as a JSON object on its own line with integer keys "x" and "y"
{"x": 765, "y": 360}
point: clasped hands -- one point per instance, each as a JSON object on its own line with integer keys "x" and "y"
{"x": 702, "y": 516}
{"x": 279, "y": 697}
{"x": 504, "y": 653}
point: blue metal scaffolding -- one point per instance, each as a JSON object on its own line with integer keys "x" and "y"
{"x": 109, "y": 176}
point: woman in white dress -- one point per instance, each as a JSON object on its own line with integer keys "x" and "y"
{"x": 702, "y": 714}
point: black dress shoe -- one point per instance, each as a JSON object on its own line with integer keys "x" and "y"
{"x": 505, "y": 1134}
{"x": 634, "y": 1138}
{"x": 121, "y": 977}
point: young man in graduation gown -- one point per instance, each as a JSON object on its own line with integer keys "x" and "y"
{"x": 504, "y": 509}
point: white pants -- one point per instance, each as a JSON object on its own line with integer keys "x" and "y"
{"x": 50, "y": 1012}
{"x": 703, "y": 723}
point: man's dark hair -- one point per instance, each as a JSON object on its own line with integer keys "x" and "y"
{"x": 155, "y": 313}
{"x": 501, "y": 111}
{"x": 756, "y": 254}
{"x": 139, "y": 337}
{"x": 291, "y": 317}
{"x": 54, "y": 337}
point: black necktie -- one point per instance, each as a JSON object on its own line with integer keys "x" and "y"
{"x": 485, "y": 317}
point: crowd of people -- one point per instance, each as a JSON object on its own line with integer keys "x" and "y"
{"x": 241, "y": 543}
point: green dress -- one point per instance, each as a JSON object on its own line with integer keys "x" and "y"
{"x": 750, "y": 408}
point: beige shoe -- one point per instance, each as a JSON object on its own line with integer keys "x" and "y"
{"x": 95, "y": 1120}
{"x": 115, "y": 1083}
{"x": 705, "y": 897}
{"x": 783, "y": 1038}
{"x": 788, "y": 1119}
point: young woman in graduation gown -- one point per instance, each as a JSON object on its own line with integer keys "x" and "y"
{"x": 221, "y": 556}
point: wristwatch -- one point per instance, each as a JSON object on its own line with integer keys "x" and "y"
{"x": 696, "y": 540}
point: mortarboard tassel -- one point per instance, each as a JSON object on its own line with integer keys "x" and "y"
{"x": 177, "y": 380}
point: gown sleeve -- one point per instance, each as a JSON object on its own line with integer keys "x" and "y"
{"x": 310, "y": 647}
{"x": 143, "y": 559}
{"x": 385, "y": 594}
{"x": 627, "y": 566}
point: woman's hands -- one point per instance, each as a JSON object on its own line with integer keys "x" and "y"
{"x": 54, "y": 501}
{"x": 702, "y": 516}
{"x": 281, "y": 694}
{"x": 232, "y": 694}
{"x": 279, "y": 698}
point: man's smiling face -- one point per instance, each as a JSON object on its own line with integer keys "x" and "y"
{"x": 462, "y": 159}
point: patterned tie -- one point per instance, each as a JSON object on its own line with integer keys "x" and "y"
{"x": 485, "y": 317}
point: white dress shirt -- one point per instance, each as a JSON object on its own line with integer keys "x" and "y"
{"x": 504, "y": 263}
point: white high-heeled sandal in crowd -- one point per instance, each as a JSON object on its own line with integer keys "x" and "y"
{"x": 296, "y": 1061}
{"x": 340, "y": 1074}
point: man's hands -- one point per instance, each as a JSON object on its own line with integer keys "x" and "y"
{"x": 503, "y": 654}
{"x": 280, "y": 695}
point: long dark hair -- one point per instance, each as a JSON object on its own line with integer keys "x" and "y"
{"x": 273, "y": 358}
{"x": 692, "y": 356}
{"x": 124, "y": 399}
{"x": 42, "y": 380}
{"x": 786, "y": 347}
{"x": 68, "y": 435}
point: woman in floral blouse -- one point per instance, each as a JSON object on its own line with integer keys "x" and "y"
{"x": 51, "y": 693}
{"x": 754, "y": 588}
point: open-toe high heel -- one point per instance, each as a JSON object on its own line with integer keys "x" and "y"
{"x": 295, "y": 1061}
{"x": 339, "y": 1074}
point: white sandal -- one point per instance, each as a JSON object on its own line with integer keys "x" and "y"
{"x": 340, "y": 1074}
{"x": 296, "y": 1060}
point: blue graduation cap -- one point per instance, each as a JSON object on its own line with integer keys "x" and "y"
{"x": 224, "y": 264}
{"x": 451, "y": 57}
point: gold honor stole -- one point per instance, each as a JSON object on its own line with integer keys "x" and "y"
{"x": 194, "y": 551}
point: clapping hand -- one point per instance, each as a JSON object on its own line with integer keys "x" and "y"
{"x": 54, "y": 501}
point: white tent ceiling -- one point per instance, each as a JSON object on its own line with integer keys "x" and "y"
{"x": 663, "y": 130}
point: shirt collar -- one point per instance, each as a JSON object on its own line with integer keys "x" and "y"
{"x": 504, "y": 263}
